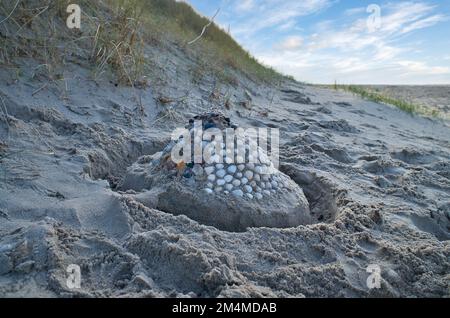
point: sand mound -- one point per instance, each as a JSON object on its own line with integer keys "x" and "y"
{"x": 223, "y": 190}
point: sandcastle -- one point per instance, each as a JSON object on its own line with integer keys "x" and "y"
{"x": 218, "y": 180}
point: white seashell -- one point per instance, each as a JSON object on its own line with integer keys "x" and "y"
{"x": 232, "y": 169}
{"x": 220, "y": 182}
{"x": 258, "y": 196}
{"x": 239, "y": 175}
{"x": 238, "y": 193}
{"x": 241, "y": 167}
{"x": 248, "y": 195}
{"x": 244, "y": 180}
{"x": 229, "y": 187}
{"x": 248, "y": 174}
{"x": 197, "y": 170}
{"x": 248, "y": 189}
{"x": 209, "y": 191}
{"x": 258, "y": 169}
{"x": 209, "y": 170}
{"x": 228, "y": 178}
{"x": 211, "y": 177}
{"x": 219, "y": 166}
{"x": 220, "y": 173}
{"x": 236, "y": 183}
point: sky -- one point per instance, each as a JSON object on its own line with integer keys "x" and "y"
{"x": 347, "y": 41}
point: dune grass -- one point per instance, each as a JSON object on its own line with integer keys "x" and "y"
{"x": 187, "y": 24}
{"x": 114, "y": 35}
{"x": 379, "y": 97}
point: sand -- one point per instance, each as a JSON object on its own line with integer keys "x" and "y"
{"x": 376, "y": 178}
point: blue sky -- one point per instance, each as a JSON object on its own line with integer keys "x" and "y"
{"x": 320, "y": 41}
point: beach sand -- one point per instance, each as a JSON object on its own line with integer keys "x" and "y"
{"x": 376, "y": 179}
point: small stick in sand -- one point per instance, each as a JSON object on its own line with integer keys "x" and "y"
{"x": 204, "y": 28}
{"x": 10, "y": 14}
{"x": 39, "y": 89}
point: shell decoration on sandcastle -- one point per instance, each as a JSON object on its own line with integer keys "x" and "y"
{"x": 225, "y": 171}
{"x": 228, "y": 183}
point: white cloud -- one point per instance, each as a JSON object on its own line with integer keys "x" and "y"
{"x": 288, "y": 25}
{"x": 245, "y": 5}
{"x": 423, "y": 68}
{"x": 424, "y": 23}
{"x": 326, "y": 68}
{"x": 351, "y": 52}
{"x": 354, "y": 11}
{"x": 341, "y": 49}
{"x": 274, "y": 13}
{"x": 291, "y": 43}
{"x": 402, "y": 14}
{"x": 397, "y": 19}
